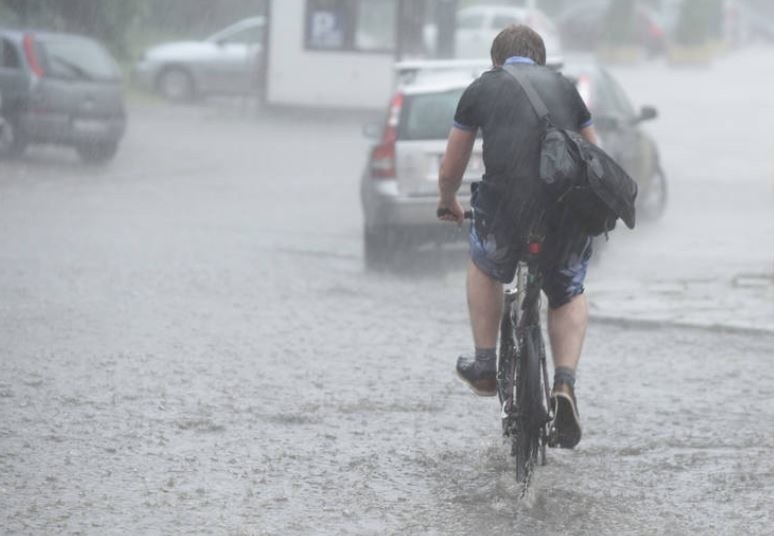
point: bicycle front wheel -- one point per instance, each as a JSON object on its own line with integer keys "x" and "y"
{"x": 531, "y": 414}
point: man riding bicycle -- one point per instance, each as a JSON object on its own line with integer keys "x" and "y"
{"x": 511, "y": 132}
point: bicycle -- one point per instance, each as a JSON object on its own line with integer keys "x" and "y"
{"x": 522, "y": 372}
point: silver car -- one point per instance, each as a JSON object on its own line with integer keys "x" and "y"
{"x": 399, "y": 187}
{"x": 228, "y": 62}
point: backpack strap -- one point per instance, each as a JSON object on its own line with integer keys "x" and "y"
{"x": 534, "y": 99}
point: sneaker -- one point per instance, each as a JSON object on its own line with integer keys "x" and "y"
{"x": 481, "y": 376}
{"x": 565, "y": 428}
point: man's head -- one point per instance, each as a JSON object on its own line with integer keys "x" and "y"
{"x": 518, "y": 40}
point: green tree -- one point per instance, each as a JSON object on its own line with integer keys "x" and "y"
{"x": 715, "y": 19}
{"x": 695, "y": 23}
{"x": 107, "y": 20}
{"x": 620, "y": 23}
{"x": 200, "y": 15}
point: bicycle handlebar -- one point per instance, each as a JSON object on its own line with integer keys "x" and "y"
{"x": 534, "y": 246}
{"x": 441, "y": 212}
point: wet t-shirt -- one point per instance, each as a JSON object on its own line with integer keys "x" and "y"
{"x": 496, "y": 104}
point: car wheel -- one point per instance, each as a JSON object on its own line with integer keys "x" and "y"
{"x": 97, "y": 152}
{"x": 12, "y": 142}
{"x": 653, "y": 197}
{"x": 176, "y": 84}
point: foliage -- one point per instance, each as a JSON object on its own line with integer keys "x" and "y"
{"x": 715, "y": 15}
{"x": 106, "y": 20}
{"x": 551, "y": 7}
{"x": 200, "y": 15}
{"x": 116, "y": 22}
{"x": 620, "y": 23}
{"x": 695, "y": 24}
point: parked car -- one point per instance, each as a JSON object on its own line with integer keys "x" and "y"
{"x": 399, "y": 185}
{"x": 228, "y": 62}
{"x": 399, "y": 191}
{"x": 477, "y": 26}
{"x": 582, "y": 27}
{"x": 60, "y": 89}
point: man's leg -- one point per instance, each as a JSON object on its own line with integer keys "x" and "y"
{"x": 567, "y": 330}
{"x": 485, "y": 299}
{"x": 485, "y": 305}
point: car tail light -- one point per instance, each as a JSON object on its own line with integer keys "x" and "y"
{"x": 655, "y": 31}
{"x": 383, "y": 162}
{"x": 383, "y": 155}
{"x": 29, "y": 52}
{"x": 584, "y": 89}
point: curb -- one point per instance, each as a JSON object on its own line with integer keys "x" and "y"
{"x": 652, "y": 323}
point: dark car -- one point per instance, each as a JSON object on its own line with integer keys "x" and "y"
{"x": 60, "y": 89}
{"x": 618, "y": 124}
{"x": 399, "y": 186}
{"x": 582, "y": 27}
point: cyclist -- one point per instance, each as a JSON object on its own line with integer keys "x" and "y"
{"x": 511, "y": 131}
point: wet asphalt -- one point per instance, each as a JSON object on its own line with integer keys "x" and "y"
{"x": 189, "y": 344}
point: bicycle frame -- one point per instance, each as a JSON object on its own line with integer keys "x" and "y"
{"x": 522, "y": 367}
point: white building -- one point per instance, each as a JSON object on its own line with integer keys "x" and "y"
{"x": 331, "y": 53}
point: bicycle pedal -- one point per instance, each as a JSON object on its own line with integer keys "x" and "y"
{"x": 553, "y": 437}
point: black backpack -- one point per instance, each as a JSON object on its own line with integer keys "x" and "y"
{"x": 576, "y": 176}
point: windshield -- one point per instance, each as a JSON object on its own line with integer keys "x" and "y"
{"x": 70, "y": 57}
{"x": 429, "y": 116}
{"x": 241, "y": 32}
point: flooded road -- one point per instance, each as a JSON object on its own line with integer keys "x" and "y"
{"x": 190, "y": 345}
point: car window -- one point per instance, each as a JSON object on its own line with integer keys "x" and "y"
{"x": 9, "y": 55}
{"x": 75, "y": 58}
{"x": 602, "y": 100}
{"x": 502, "y": 21}
{"x": 429, "y": 116}
{"x": 472, "y": 21}
{"x": 619, "y": 100}
{"x": 247, "y": 36}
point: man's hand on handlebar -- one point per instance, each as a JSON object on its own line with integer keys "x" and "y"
{"x": 450, "y": 211}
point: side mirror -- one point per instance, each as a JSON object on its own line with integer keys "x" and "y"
{"x": 372, "y": 131}
{"x": 647, "y": 113}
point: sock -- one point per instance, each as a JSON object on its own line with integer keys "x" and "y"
{"x": 486, "y": 354}
{"x": 564, "y": 375}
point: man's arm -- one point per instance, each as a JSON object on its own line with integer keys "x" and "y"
{"x": 455, "y": 160}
